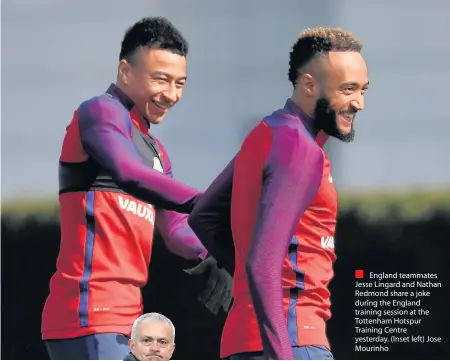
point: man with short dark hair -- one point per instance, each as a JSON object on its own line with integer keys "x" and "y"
{"x": 278, "y": 238}
{"x": 116, "y": 185}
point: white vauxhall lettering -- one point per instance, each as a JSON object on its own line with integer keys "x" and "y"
{"x": 141, "y": 210}
{"x": 327, "y": 242}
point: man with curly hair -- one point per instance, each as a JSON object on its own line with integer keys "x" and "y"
{"x": 277, "y": 236}
{"x": 115, "y": 186}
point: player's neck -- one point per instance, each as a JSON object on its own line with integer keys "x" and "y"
{"x": 305, "y": 108}
{"x": 124, "y": 90}
{"x": 132, "y": 107}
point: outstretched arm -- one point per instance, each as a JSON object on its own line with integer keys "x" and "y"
{"x": 105, "y": 131}
{"x": 181, "y": 240}
{"x": 177, "y": 235}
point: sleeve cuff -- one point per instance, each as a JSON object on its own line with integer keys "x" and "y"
{"x": 202, "y": 256}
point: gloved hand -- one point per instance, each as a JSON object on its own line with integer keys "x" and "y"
{"x": 217, "y": 293}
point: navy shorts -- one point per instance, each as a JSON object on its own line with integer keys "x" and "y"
{"x": 300, "y": 353}
{"x": 102, "y": 346}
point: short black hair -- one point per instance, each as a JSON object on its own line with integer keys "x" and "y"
{"x": 153, "y": 32}
{"x": 320, "y": 40}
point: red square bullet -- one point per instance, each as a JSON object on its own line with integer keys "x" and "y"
{"x": 359, "y": 273}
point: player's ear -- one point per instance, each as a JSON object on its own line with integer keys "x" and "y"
{"x": 131, "y": 344}
{"x": 171, "y": 351}
{"x": 307, "y": 85}
{"x": 124, "y": 72}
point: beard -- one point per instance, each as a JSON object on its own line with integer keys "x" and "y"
{"x": 326, "y": 120}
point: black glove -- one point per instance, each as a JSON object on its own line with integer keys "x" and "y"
{"x": 217, "y": 293}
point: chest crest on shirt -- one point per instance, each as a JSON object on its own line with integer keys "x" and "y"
{"x": 157, "y": 164}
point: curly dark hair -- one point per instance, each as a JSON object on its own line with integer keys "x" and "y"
{"x": 312, "y": 42}
{"x": 152, "y": 32}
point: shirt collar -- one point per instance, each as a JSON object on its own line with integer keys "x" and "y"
{"x": 130, "y": 357}
{"x": 117, "y": 93}
{"x": 307, "y": 121}
{"x": 139, "y": 120}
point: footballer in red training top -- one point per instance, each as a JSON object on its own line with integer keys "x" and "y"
{"x": 116, "y": 185}
{"x": 284, "y": 206}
